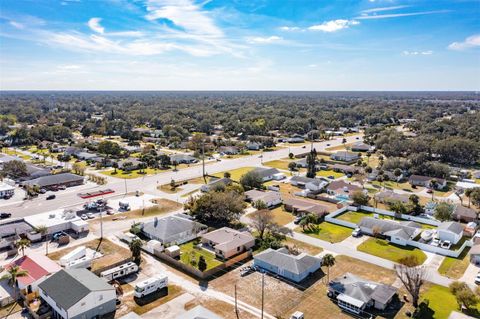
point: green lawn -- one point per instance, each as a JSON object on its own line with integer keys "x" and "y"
{"x": 393, "y": 185}
{"x": 189, "y": 252}
{"x": 442, "y": 302}
{"x": 328, "y": 232}
{"x": 383, "y": 249}
{"x": 327, "y": 173}
{"x": 236, "y": 173}
{"x": 131, "y": 174}
{"x": 356, "y": 217}
{"x": 280, "y": 164}
{"x": 455, "y": 267}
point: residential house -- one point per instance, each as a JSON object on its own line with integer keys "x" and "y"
{"x": 426, "y": 181}
{"x": 345, "y": 169}
{"x": 6, "y": 191}
{"x": 253, "y": 146}
{"x": 312, "y": 184}
{"x": 183, "y": 159}
{"x": 8, "y": 158}
{"x": 227, "y": 242}
{"x": 270, "y": 198}
{"x": 172, "y": 230}
{"x": 396, "y": 232}
{"x": 295, "y": 139}
{"x": 228, "y": 150}
{"x": 342, "y": 189}
{"x": 302, "y": 162}
{"x": 361, "y": 147}
{"x": 464, "y": 214}
{"x": 304, "y": 207}
{"x": 198, "y": 312}
{"x": 344, "y": 156}
{"x": 451, "y": 231}
{"x": 38, "y": 267}
{"x": 219, "y": 182}
{"x": 355, "y": 294}
{"x": 292, "y": 267}
{"x": 125, "y": 166}
{"x": 85, "y": 156}
{"x": 387, "y": 196}
{"x": 391, "y": 176}
{"x": 268, "y": 174}
{"x": 55, "y": 181}
{"x": 72, "y": 150}
{"x": 34, "y": 171}
{"x": 78, "y": 294}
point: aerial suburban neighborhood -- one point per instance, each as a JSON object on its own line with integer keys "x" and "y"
{"x": 228, "y": 159}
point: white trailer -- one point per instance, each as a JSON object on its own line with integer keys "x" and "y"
{"x": 150, "y": 285}
{"x": 75, "y": 254}
{"x": 120, "y": 271}
{"x": 84, "y": 262}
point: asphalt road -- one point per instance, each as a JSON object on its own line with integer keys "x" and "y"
{"x": 148, "y": 184}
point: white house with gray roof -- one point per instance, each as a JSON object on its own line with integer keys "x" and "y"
{"x": 270, "y": 198}
{"x": 172, "y": 230}
{"x": 78, "y": 294}
{"x": 397, "y": 232}
{"x": 292, "y": 267}
{"x": 268, "y": 174}
{"x": 452, "y": 231}
{"x": 312, "y": 184}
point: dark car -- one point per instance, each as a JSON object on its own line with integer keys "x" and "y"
{"x": 5, "y": 215}
{"x": 49, "y": 197}
{"x": 297, "y": 220}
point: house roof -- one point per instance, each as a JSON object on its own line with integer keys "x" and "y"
{"x": 265, "y": 172}
{"x": 475, "y": 250}
{"x": 389, "y": 227}
{"x": 306, "y": 206}
{"x": 462, "y": 211}
{"x": 361, "y": 289}
{"x": 36, "y": 265}
{"x": 198, "y": 312}
{"x": 345, "y": 154}
{"x": 282, "y": 259}
{"x": 307, "y": 180}
{"x": 266, "y": 196}
{"x": 345, "y": 168}
{"x": 335, "y": 185}
{"x": 421, "y": 178}
{"x": 69, "y": 286}
{"x": 165, "y": 228}
{"x": 15, "y": 227}
{"x": 226, "y": 238}
{"x": 392, "y": 196}
{"x": 54, "y": 179}
{"x": 451, "y": 226}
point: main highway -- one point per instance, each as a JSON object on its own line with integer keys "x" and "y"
{"x": 148, "y": 184}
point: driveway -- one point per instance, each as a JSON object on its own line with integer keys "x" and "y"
{"x": 470, "y": 274}
{"x": 171, "y": 309}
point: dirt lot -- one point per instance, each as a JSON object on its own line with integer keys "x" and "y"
{"x": 112, "y": 253}
{"x": 221, "y": 308}
{"x": 310, "y": 299}
{"x": 163, "y": 206}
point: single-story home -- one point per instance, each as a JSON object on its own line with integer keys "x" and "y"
{"x": 476, "y": 174}
{"x": 391, "y": 176}
{"x": 390, "y": 197}
{"x": 342, "y": 189}
{"x": 292, "y": 267}
{"x": 253, "y": 146}
{"x": 6, "y": 190}
{"x": 397, "y": 232}
{"x": 85, "y": 156}
{"x": 344, "y": 156}
{"x": 228, "y": 242}
{"x": 172, "y": 230}
{"x": 355, "y": 294}
{"x": 430, "y": 208}
{"x": 129, "y": 164}
{"x": 464, "y": 214}
{"x": 268, "y": 174}
{"x": 475, "y": 254}
{"x": 345, "y": 169}
{"x": 452, "y": 231}
{"x": 215, "y": 183}
{"x": 183, "y": 159}
{"x": 228, "y": 150}
{"x": 304, "y": 207}
{"x": 426, "y": 181}
{"x": 361, "y": 147}
{"x": 38, "y": 267}
{"x": 77, "y": 294}
{"x": 301, "y": 162}
{"x": 53, "y": 181}
{"x": 295, "y": 139}
{"x": 270, "y": 198}
{"x": 312, "y": 184}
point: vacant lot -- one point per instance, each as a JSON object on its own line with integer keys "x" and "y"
{"x": 327, "y": 231}
{"x": 190, "y": 254}
{"x": 302, "y": 246}
{"x": 130, "y": 174}
{"x": 147, "y": 303}
{"x": 163, "y": 206}
{"x": 455, "y": 267}
{"x": 383, "y": 249}
{"x": 327, "y": 173}
{"x": 223, "y": 309}
{"x": 111, "y": 252}
{"x": 236, "y": 173}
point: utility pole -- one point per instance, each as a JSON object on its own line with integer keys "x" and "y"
{"x": 236, "y": 307}
{"x": 263, "y": 291}
{"x": 203, "y": 160}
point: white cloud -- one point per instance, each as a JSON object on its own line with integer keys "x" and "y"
{"x": 264, "y": 40}
{"x": 333, "y": 25}
{"x": 428, "y": 52}
{"x": 470, "y": 42}
{"x": 94, "y": 24}
{"x": 384, "y": 9}
{"x": 69, "y": 67}
{"x": 16, "y": 25}
{"x": 287, "y": 28}
{"x": 398, "y": 15}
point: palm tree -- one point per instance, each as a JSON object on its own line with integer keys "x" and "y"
{"x": 22, "y": 244}
{"x": 433, "y": 185}
{"x": 328, "y": 261}
{"x": 468, "y": 193}
{"x": 12, "y": 274}
{"x": 43, "y": 230}
{"x": 136, "y": 249}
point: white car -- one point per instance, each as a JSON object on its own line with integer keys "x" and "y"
{"x": 435, "y": 242}
{"x": 84, "y": 217}
{"x": 446, "y": 244}
{"x": 356, "y": 232}
{"x": 90, "y": 215}
{"x": 477, "y": 279}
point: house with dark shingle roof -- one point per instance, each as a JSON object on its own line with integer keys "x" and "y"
{"x": 268, "y": 174}
{"x": 426, "y": 181}
{"x": 292, "y": 267}
{"x": 77, "y": 294}
{"x": 355, "y": 294}
{"x": 464, "y": 214}
{"x": 52, "y": 181}
{"x": 172, "y": 230}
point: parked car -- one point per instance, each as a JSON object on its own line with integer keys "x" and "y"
{"x": 90, "y": 215}
{"x": 84, "y": 217}
{"x": 446, "y": 244}
{"x": 435, "y": 242}
{"x": 297, "y": 220}
{"x": 110, "y": 212}
{"x": 328, "y": 144}
{"x": 52, "y": 196}
{"x": 5, "y": 215}
{"x": 429, "y": 191}
{"x": 62, "y": 187}
{"x": 297, "y": 315}
{"x": 56, "y": 236}
{"x": 477, "y": 278}
{"x": 331, "y": 177}
{"x": 357, "y": 232}
{"x": 42, "y": 190}
{"x": 357, "y": 138}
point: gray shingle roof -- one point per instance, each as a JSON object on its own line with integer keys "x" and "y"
{"x": 265, "y": 172}
{"x": 54, "y": 179}
{"x": 454, "y": 227}
{"x": 198, "y": 313}
{"x": 389, "y": 227}
{"x": 282, "y": 259}
{"x": 67, "y": 287}
{"x": 165, "y": 228}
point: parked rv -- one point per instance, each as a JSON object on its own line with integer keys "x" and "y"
{"x": 150, "y": 285}
{"x": 120, "y": 271}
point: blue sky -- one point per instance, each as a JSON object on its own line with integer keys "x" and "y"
{"x": 240, "y": 45}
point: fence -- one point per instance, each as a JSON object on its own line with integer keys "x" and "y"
{"x": 440, "y": 250}
{"x": 402, "y": 216}
{"x": 331, "y": 217}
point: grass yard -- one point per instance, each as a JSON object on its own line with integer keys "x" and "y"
{"x": 130, "y": 174}
{"x": 236, "y": 173}
{"x": 383, "y": 249}
{"x": 455, "y": 267}
{"x": 328, "y": 232}
{"x": 327, "y": 173}
{"x": 190, "y": 253}
{"x": 282, "y": 217}
{"x": 302, "y": 246}
{"x": 393, "y": 185}
{"x": 280, "y": 164}
{"x": 163, "y": 206}
{"x": 111, "y": 252}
